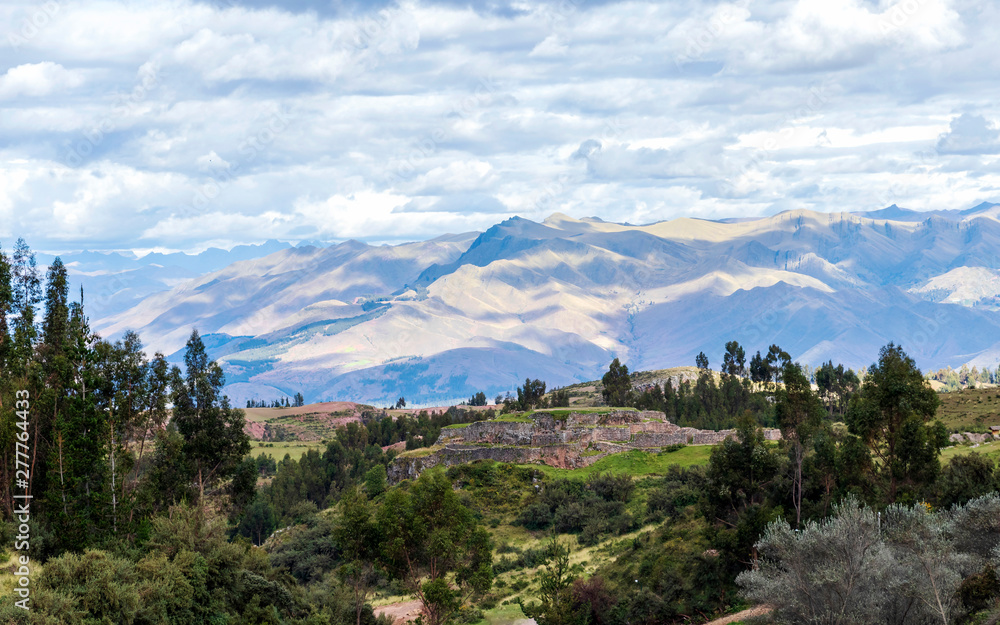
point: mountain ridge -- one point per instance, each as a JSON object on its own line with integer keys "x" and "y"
{"x": 439, "y": 319}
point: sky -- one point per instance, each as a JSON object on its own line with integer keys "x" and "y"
{"x": 179, "y": 125}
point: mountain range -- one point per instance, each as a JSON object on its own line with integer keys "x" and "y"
{"x": 558, "y": 300}
{"x": 116, "y": 281}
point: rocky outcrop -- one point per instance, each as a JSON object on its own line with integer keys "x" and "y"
{"x": 971, "y": 437}
{"x": 572, "y": 441}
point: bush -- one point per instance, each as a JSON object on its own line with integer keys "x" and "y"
{"x": 536, "y": 516}
{"x": 980, "y": 591}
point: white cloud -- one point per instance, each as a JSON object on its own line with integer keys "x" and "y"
{"x": 38, "y": 79}
{"x": 182, "y": 122}
{"x": 970, "y": 134}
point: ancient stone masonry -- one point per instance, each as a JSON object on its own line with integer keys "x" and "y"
{"x": 578, "y": 440}
{"x": 971, "y": 437}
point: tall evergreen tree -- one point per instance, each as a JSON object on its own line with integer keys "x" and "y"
{"x": 6, "y": 304}
{"x": 214, "y": 440}
{"x": 7, "y": 387}
{"x": 758, "y": 368}
{"x": 55, "y": 326}
{"x": 27, "y": 294}
{"x": 76, "y": 470}
{"x": 799, "y": 413}
{"x": 617, "y": 385}
{"x": 892, "y": 414}
{"x": 734, "y": 361}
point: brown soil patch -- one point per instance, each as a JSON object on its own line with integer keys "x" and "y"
{"x": 403, "y": 612}
{"x": 322, "y": 408}
{"x": 760, "y": 610}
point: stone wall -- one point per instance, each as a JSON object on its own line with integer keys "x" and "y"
{"x": 971, "y": 437}
{"x": 558, "y": 442}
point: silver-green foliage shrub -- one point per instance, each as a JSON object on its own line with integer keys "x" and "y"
{"x": 830, "y": 572}
{"x": 855, "y": 567}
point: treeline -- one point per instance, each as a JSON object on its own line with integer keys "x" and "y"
{"x": 530, "y": 395}
{"x": 965, "y": 377}
{"x": 284, "y": 402}
{"x": 106, "y": 453}
{"x": 143, "y": 485}
{"x": 718, "y": 402}
{"x": 354, "y": 457}
{"x": 794, "y": 524}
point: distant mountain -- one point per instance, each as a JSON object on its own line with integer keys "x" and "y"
{"x": 114, "y": 282}
{"x": 557, "y": 300}
{"x": 896, "y": 213}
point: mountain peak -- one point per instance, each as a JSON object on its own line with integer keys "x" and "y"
{"x": 982, "y": 207}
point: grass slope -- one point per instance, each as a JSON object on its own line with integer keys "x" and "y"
{"x": 970, "y": 410}
{"x": 636, "y": 463}
{"x": 277, "y": 451}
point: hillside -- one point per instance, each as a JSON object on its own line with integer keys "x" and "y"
{"x": 558, "y": 300}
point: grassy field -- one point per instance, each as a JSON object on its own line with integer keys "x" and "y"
{"x": 514, "y": 418}
{"x": 991, "y": 450}
{"x": 637, "y": 463}
{"x": 502, "y": 615}
{"x": 421, "y": 452}
{"x": 278, "y": 450}
{"x": 970, "y": 409}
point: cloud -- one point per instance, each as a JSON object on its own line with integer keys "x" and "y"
{"x": 970, "y": 134}
{"x": 183, "y": 122}
{"x": 38, "y": 79}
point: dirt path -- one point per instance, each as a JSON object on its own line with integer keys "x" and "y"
{"x": 739, "y": 616}
{"x": 407, "y": 611}
{"x": 400, "y": 612}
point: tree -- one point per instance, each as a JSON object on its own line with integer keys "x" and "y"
{"x": 738, "y": 470}
{"x": 554, "y": 589}
{"x": 258, "y": 520}
{"x": 854, "y": 567}
{"x": 799, "y": 412}
{"x": 836, "y": 386}
{"x": 929, "y": 568}
{"x": 734, "y": 361}
{"x": 78, "y": 474}
{"x": 891, "y": 414}
{"x": 214, "y": 440}
{"x": 376, "y": 481}
{"x": 299, "y": 400}
{"x": 357, "y": 534}
{"x": 966, "y": 477}
{"x": 26, "y": 295}
{"x": 617, "y": 383}
{"x": 560, "y": 398}
{"x": 478, "y": 399}
{"x": 530, "y": 395}
{"x": 428, "y": 534}
{"x": 701, "y": 361}
{"x": 6, "y": 304}
{"x": 775, "y": 362}
{"x": 759, "y": 372}
{"x": 832, "y": 572}
{"x": 55, "y": 325}
{"x": 400, "y": 403}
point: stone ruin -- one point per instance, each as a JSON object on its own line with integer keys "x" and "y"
{"x": 579, "y": 440}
